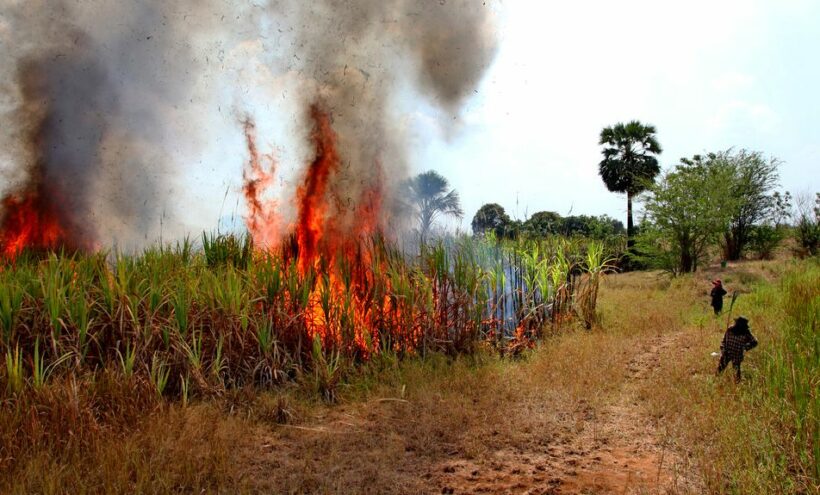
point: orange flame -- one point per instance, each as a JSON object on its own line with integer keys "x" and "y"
{"x": 29, "y": 222}
{"x": 328, "y": 240}
{"x": 369, "y": 211}
{"x": 312, "y": 194}
{"x": 262, "y": 219}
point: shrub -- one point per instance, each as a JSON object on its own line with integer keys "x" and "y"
{"x": 765, "y": 239}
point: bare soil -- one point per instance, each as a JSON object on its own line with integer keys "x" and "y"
{"x": 461, "y": 445}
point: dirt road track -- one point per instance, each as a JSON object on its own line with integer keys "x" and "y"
{"x": 617, "y": 450}
{"x": 396, "y": 446}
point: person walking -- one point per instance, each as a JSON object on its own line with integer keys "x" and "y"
{"x": 717, "y": 296}
{"x": 736, "y": 341}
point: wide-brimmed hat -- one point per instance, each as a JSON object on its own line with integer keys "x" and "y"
{"x": 742, "y": 321}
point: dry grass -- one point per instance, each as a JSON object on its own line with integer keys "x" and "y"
{"x": 740, "y": 438}
{"x": 191, "y": 450}
{"x": 637, "y": 386}
{"x": 413, "y": 428}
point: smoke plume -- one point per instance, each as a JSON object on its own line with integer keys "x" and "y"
{"x": 105, "y": 103}
{"x": 356, "y": 59}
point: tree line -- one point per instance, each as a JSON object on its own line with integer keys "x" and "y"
{"x": 722, "y": 204}
{"x": 429, "y": 197}
{"x": 492, "y": 217}
{"x": 724, "y": 201}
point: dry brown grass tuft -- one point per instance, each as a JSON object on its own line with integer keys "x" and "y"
{"x": 191, "y": 450}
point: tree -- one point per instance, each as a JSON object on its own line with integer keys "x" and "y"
{"x": 782, "y": 210}
{"x": 753, "y": 181}
{"x": 601, "y": 227}
{"x": 807, "y": 224}
{"x": 767, "y": 236}
{"x": 630, "y": 163}
{"x": 491, "y": 216}
{"x": 687, "y": 212}
{"x": 612, "y": 226}
{"x": 429, "y": 197}
{"x": 542, "y": 224}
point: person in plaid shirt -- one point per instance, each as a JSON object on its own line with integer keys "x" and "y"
{"x": 737, "y": 340}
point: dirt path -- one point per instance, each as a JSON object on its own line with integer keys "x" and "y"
{"x": 617, "y": 450}
{"x": 436, "y": 446}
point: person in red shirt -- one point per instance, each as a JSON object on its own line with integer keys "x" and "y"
{"x": 717, "y": 296}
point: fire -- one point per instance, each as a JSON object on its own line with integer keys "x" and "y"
{"x": 329, "y": 240}
{"x": 329, "y": 248}
{"x": 312, "y": 194}
{"x": 369, "y": 210}
{"x": 29, "y": 222}
{"x": 262, "y": 219}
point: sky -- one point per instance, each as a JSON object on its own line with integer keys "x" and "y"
{"x": 709, "y": 75}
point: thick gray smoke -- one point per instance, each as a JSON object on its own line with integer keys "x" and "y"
{"x": 89, "y": 123}
{"x": 359, "y": 57}
{"x": 104, "y": 101}
{"x": 64, "y": 159}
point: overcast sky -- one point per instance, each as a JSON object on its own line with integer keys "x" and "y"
{"x": 708, "y": 74}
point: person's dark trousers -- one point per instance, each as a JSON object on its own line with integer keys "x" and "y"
{"x": 724, "y": 362}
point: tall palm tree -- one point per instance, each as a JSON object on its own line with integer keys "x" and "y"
{"x": 630, "y": 163}
{"x": 429, "y": 195}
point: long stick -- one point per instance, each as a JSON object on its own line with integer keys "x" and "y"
{"x": 731, "y": 306}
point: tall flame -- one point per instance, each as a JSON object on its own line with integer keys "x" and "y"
{"x": 29, "y": 222}
{"x": 312, "y": 194}
{"x": 328, "y": 237}
{"x": 262, "y": 219}
{"x": 369, "y": 214}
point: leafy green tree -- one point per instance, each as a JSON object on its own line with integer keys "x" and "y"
{"x": 753, "y": 181}
{"x": 630, "y": 162}
{"x": 766, "y": 237}
{"x": 430, "y": 196}
{"x": 612, "y": 226}
{"x": 602, "y": 227}
{"x": 491, "y": 216}
{"x": 542, "y": 224}
{"x": 514, "y": 229}
{"x": 687, "y": 212}
{"x": 807, "y": 224}
{"x": 764, "y": 240}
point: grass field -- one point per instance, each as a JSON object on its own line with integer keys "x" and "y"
{"x": 762, "y": 436}
{"x": 630, "y": 406}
